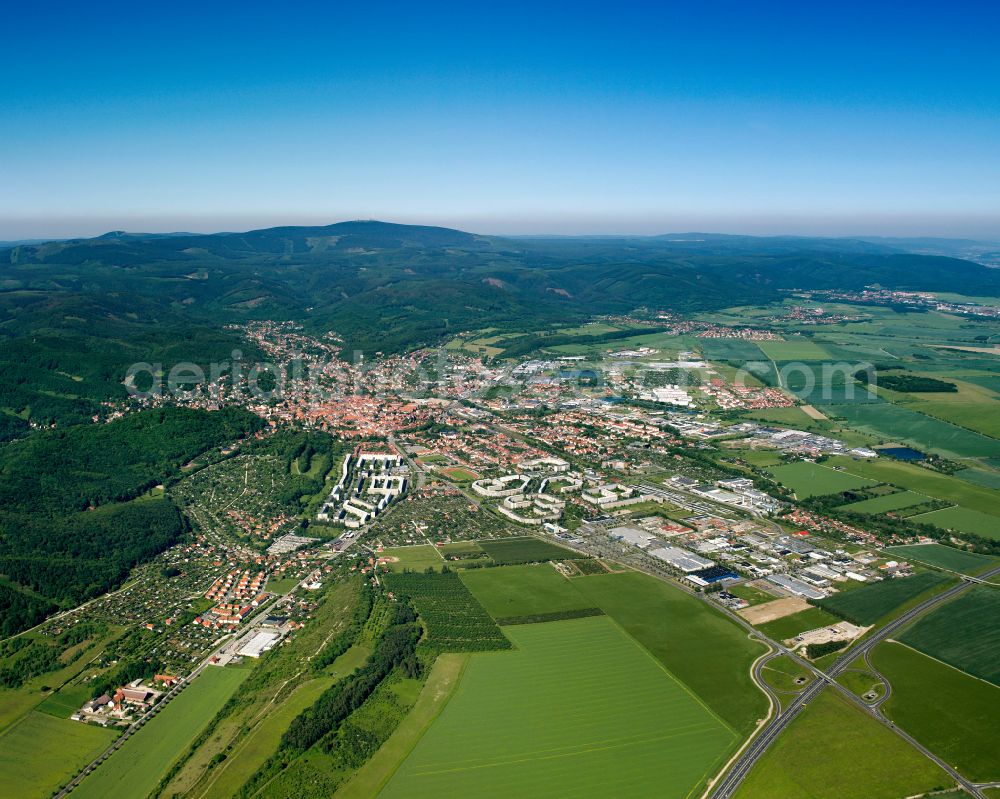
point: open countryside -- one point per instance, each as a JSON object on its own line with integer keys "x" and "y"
{"x": 596, "y": 703}
{"x": 500, "y": 401}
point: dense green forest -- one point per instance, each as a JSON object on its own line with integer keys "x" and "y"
{"x": 916, "y": 383}
{"x": 74, "y": 514}
{"x": 75, "y": 314}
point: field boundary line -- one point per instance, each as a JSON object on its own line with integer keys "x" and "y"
{"x": 936, "y": 660}
{"x": 671, "y": 675}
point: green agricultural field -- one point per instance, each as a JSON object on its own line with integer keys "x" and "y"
{"x": 832, "y": 750}
{"x": 41, "y": 752}
{"x": 965, "y": 520}
{"x": 954, "y": 715}
{"x": 923, "y": 481}
{"x": 790, "y": 626}
{"x": 868, "y": 604}
{"x": 980, "y": 477}
{"x": 888, "y": 502}
{"x": 731, "y": 349}
{"x": 944, "y": 557}
{"x": 896, "y": 423}
{"x": 971, "y": 406}
{"x": 964, "y": 633}
{"x": 758, "y": 457}
{"x": 605, "y": 719}
{"x": 136, "y": 768}
{"x": 527, "y": 590}
{"x": 701, "y": 647}
{"x": 461, "y": 548}
{"x": 416, "y": 558}
{"x": 795, "y": 349}
{"x": 813, "y": 480}
{"x": 793, "y": 416}
{"x": 507, "y": 551}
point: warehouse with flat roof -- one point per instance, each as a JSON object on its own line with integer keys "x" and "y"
{"x": 796, "y": 587}
{"x": 259, "y": 644}
{"x": 682, "y": 559}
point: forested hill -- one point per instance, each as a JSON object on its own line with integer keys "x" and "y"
{"x": 75, "y": 314}
{"x": 74, "y": 518}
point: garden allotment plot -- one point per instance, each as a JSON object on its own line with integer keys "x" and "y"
{"x": 578, "y": 709}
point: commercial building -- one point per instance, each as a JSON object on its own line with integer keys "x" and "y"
{"x": 682, "y": 559}
{"x": 259, "y": 644}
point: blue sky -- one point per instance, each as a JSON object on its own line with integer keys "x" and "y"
{"x": 762, "y": 117}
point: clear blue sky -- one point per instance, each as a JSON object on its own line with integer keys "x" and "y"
{"x": 501, "y": 117}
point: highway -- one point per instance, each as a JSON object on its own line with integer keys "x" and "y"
{"x": 727, "y": 785}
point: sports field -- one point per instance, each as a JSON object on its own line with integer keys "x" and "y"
{"x": 136, "y": 768}
{"x": 944, "y": 557}
{"x": 813, "y": 480}
{"x": 416, "y": 558}
{"x": 701, "y": 647}
{"x": 964, "y": 633}
{"x": 833, "y": 750}
{"x": 524, "y": 550}
{"x": 868, "y": 604}
{"x": 956, "y": 716}
{"x": 41, "y": 752}
{"x": 578, "y": 709}
{"x": 523, "y": 590}
{"x": 460, "y": 474}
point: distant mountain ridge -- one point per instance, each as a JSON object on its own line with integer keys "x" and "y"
{"x": 74, "y": 314}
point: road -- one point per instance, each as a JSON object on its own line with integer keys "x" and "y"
{"x": 227, "y": 640}
{"x": 730, "y": 782}
{"x": 735, "y": 772}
